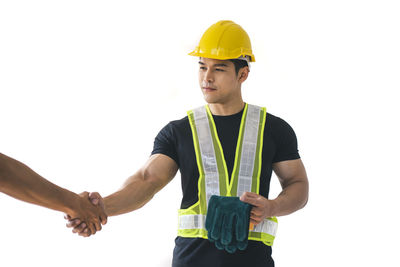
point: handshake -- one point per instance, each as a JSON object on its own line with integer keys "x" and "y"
{"x": 87, "y": 214}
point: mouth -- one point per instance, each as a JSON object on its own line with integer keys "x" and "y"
{"x": 209, "y": 89}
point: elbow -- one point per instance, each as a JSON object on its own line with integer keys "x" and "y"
{"x": 302, "y": 204}
{"x": 150, "y": 180}
{"x": 306, "y": 195}
{"x": 305, "y": 202}
{"x": 301, "y": 191}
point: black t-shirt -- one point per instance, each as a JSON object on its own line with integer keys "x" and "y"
{"x": 175, "y": 140}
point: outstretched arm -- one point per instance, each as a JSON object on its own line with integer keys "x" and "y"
{"x": 19, "y": 181}
{"x": 137, "y": 190}
{"x": 294, "y": 195}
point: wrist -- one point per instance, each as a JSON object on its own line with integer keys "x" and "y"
{"x": 108, "y": 206}
{"x": 72, "y": 203}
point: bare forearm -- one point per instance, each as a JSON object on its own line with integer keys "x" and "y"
{"x": 19, "y": 181}
{"x": 137, "y": 191}
{"x": 158, "y": 171}
{"x": 292, "y": 198}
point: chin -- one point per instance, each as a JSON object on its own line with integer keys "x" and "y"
{"x": 210, "y": 100}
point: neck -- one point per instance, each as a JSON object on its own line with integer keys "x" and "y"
{"x": 226, "y": 108}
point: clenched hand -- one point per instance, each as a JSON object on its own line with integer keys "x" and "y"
{"x": 89, "y": 215}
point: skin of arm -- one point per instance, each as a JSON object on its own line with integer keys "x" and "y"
{"x": 140, "y": 188}
{"x": 137, "y": 190}
{"x": 294, "y": 195}
{"x": 19, "y": 181}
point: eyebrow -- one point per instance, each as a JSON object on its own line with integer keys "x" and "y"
{"x": 216, "y": 65}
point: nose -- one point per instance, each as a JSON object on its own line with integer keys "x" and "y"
{"x": 208, "y": 76}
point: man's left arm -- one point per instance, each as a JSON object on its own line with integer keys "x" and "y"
{"x": 294, "y": 196}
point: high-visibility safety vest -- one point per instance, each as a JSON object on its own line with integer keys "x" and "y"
{"x": 214, "y": 180}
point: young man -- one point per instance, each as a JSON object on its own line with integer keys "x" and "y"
{"x": 227, "y": 148}
{"x": 19, "y": 181}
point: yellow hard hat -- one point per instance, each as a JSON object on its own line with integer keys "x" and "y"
{"x": 224, "y": 40}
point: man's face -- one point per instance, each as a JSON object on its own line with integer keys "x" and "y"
{"x": 218, "y": 80}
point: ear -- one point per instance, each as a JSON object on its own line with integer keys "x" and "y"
{"x": 243, "y": 74}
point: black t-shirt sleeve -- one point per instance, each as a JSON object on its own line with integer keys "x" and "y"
{"x": 165, "y": 143}
{"x": 285, "y": 141}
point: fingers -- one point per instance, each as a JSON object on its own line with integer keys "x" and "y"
{"x": 256, "y": 219}
{"x": 83, "y": 230}
{"x": 95, "y": 198}
{"x": 103, "y": 219}
{"x": 241, "y": 228}
{"x": 231, "y": 248}
{"x": 250, "y": 194}
{"x": 85, "y": 233}
{"x": 97, "y": 225}
{"x": 226, "y": 235}
{"x": 73, "y": 223}
{"x": 242, "y": 245}
{"x": 217, "y": 225}
{"x": 212, "y": 204}
{"x": 88, "y": 216}
{"x": 254, "y": 222}
{"x": 251, "y": 198}
{"x": 219, "y": 245}
{"x": 92, "y": 228}
{"x": 79, "y": 229}
{"x": 256, "y": 215}
{"x": 257, "y": 212}
{"x": 92, "y": 211}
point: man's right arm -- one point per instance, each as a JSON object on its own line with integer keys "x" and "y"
{"x": 140, "y": 188}
{"x": 137, "y": 190}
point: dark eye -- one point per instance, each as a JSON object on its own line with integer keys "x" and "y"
{"x": 202, "y": 68}
{"x": 219, "y": 69}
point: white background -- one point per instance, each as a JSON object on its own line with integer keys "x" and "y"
{"x": 85, "y": 86}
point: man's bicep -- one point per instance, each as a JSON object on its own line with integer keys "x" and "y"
{"x": 290, "y": 171}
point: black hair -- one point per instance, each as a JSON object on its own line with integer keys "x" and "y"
{"x": 239, "y": 63}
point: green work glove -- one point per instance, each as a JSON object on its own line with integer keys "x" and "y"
{"x": 231, "y": 247}
{"x": 227, "y": 222}
{"x": 234, "y": 245}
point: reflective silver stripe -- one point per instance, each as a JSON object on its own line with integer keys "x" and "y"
{"x": 249, "y": 148}
{"x": 207, "y": 152}
{"x": 197, "y": 221}
{"x": 267, "y": 227}
{"x": 192, "y": 221}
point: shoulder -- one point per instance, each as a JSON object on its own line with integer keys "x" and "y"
{"x": 279, "y": 130}
{"x": 284, "y": 138}
{"x": 179, "y": 123}
{"x": 174, "y": 127}
{"x": 276, "y": 123}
